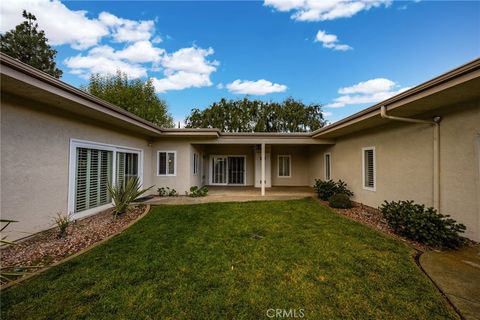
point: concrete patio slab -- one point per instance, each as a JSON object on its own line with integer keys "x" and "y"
{"x": 457, "y": 273}
{"x": 240, "y": 194}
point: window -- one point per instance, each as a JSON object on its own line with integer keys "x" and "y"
{"x": 167, "y": 163}
{"x": 126, "y": 167}
{"x": 196, "y": 164}
{"x": 92, "y": 167}
{"x": 327, "y": 166}
{"x": 369, "y": 168}
{"x": 93, "y": 172}
{"x": 284, "y": 166}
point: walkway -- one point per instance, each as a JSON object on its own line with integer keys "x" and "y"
{"x": 457, "y": 273}
{"x": 240, "y": 194}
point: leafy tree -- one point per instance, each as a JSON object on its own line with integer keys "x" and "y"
{"x": 136, "y": 96}
{"x": 28, "y": 44}
{"x": 246, "y": 115}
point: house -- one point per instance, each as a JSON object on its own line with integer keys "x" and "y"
{"x": 59, "y": 147}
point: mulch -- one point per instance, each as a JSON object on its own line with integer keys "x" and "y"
{"x": 373, "y": 217}
{"x": 46, "y": 248}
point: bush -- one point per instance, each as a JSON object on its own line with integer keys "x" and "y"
{"x": 326, "y": 189}
{"x": 340, "y": 200}
{"x": 62, "y": 221}
{"x": 167, "y": 192}
{"x": 421, "y": 224}
{"x": 123, "y": 195}
{"x": 198, "y": 192}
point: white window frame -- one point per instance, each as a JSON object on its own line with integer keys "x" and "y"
{"x": 196, "y": 165}
{"x": 174, "y": 163}
{"x": 329, "y": 154}
{"x": 72, "y": 165}
{"x": 374, "y": 169}
{"x": 289, "y": 165}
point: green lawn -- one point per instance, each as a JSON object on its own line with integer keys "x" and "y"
{"x": 201, "y": 262}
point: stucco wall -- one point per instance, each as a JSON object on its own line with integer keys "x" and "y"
{"x": 181, "y": 180}
{"x": 404, "y": 164}
{"x": 299, "y": 167}
{"x": 35, "y": 162}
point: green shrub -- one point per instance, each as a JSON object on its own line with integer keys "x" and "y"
{"x": 421, "y": 224}
{"x": 123, "y": 195}
{"x": 326, "y": 189}
{"x": 62, "y": 221}
{"x": 340, "y": 200}
{"x": 198, "y": 192}
{"x": 162, "y": 192}
{"x": 167, "y": 192}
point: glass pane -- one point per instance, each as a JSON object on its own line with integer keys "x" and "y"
{"x": 162, "y": 163}
{"x": 171, "y": 163}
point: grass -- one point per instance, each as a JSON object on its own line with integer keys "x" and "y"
{"x": 203, "y": 262}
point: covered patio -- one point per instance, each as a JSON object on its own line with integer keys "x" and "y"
{"x": 239, "y": 194}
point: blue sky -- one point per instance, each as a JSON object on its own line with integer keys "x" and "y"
{"x": 344, "y": 55}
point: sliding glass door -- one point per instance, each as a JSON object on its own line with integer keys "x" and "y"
{"x": 227, "y": 170}
{"x": 219, "y": 170}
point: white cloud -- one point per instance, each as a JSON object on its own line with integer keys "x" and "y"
{"x": 330, "y": 41}
{"x": 105, "y": 60}
{"x": 259, "y": 87}
{"x": 370, "y": 91}
{"x": 186, "y": 68}
{"x": 125, "y": 30}
{"x": 316, "y": 10}
{"x": 327, "y": 113}
{"x": 61, "y": 25}
{"x": 74, "y": 27}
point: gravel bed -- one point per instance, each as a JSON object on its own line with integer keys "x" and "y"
{"x": 46, "y": 248}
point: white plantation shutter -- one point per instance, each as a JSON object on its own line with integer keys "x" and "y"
{"x": 327, "y": 166}
{"x": 93, "y": 171}
{"x": 127, "y": 167}
{"x": 369, "y": 168}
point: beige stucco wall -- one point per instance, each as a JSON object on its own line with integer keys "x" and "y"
{"x": 299, "y": 168}
{"x": 35, "y": 148}
{"x": 404, "y": 164}
{"x": 181, "y": 180}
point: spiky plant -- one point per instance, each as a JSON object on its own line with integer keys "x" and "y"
{"x": 124, "y": 195}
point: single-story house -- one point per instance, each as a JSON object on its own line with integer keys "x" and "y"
{"x": 60, "y": 145}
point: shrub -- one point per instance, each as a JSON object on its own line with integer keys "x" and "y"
{"x": 198, "y": 192}
{"x": 326, "y": 189}
{"x": 123, "y": 195}
{"x": 421, "y": 224}
{"x": 62, "y": 221}
{"x": 162, "y": 192}
{"x": 340, "y": 200}
{"x": 167, "y": 192}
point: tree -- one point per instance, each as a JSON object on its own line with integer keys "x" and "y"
{"x": 136, "y": 96}
{"x": 28, "y": 44}
{"x": 257, "y": 116}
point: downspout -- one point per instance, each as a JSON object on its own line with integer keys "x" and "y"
{"x": 436, "y": 150}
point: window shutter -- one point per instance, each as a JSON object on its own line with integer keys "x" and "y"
{"x": 93, "y": 172}
{"x": 120, "y": 174}
{"x": 369, "y": 168}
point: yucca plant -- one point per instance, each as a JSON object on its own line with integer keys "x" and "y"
{"x": 123, "y": 195}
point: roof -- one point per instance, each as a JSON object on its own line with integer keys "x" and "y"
{"x": 18, "y": 70}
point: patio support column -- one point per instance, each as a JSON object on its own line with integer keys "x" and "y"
{"x": 263, "y": 169}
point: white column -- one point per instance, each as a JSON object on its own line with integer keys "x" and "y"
{"x": 263, "y": 169}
